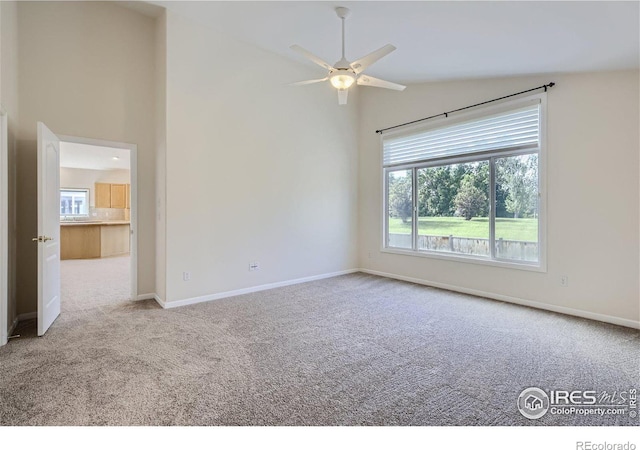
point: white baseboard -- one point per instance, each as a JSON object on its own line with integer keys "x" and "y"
{"x": 160, "y": 301}
{"x": 150, "y": 296}
{"x": 13, "y": 326}
{"x": 5, "y": 339}
{"x": 263, "y": 287}
{"x": 27, "y": 316}
{"x": 518, "y": 301}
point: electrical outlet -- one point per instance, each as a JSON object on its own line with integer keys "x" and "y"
{"x": 186, "y": 276}
{"x": 255, "y": 265}
{"x": 564, "y": 281}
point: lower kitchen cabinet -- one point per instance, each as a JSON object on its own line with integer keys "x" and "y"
{"x": 93, "y": 240}
{"x": 114, "y": 240}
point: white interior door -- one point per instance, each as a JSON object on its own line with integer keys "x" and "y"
{"x": 48, "y": 239}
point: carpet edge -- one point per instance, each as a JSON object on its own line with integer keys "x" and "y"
{"x": 515, "y": 300}
{"x": 249, "y": 290}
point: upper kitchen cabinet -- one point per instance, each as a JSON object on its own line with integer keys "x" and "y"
{"x": 113, "y": 195}
{"x": 118, "y": 196}
{"x": 103, "y": 195}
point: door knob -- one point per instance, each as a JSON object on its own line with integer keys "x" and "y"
{"x": 46, "y": 238}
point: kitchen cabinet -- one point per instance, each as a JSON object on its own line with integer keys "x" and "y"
{"x": 111, "y": 195}
{"x": 80, "y": 242}
{"x": 118, "y": 195}
{"x": 103, "y": 195}
{"x": 114, "y": 240}
{"x": 94, "y": 239}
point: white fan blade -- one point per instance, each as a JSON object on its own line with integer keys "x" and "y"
{"x": 302, "y": 83}
{"x": 366, "y": 80}
{"x": 364, "y": 62}
{"x": 342, "y": 97}
{"x": 307, "y": 54}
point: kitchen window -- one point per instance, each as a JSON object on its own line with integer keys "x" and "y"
{"x": 74, "y": 202}
{"x": 469, "y": 188}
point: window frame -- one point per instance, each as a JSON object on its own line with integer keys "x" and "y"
{"x": 490, "y": 156}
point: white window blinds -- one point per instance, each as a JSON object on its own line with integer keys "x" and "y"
{"x": 517, "y": 128}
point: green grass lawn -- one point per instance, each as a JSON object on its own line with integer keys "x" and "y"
{"x": 509, "y": 229}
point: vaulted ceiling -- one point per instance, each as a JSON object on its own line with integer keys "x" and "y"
{"x": 439, "y": 40}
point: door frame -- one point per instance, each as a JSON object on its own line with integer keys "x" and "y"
{"x": 133, "y": 163}
{"x": 4, "y": 227}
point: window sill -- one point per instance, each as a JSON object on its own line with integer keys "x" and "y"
{"x": 530, "y": 267}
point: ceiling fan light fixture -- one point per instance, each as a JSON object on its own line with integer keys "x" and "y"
{"x": 342, "y": 79}
{"x": 343, "y": 74}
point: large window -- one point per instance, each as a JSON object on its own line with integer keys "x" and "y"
{"x": 469, "y": 189}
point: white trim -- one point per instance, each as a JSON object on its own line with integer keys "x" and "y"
{"x": 518, "y": 301}
{"x": 4, "y": 228}
{"x": 160, "y": 301}
{"x": 133, "y": 219}
{"x": 13, "y": 326}
{"x": 148, "y": 296}
{"x": 542, "y": 186}
{"x": 464, "y": 258}
{"x": 263, "y": 287}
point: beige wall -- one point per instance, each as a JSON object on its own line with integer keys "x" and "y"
{"x": 87, "y": 179}
{"x": 86, "y": 69}
{"x": 9, "y": 101}
{"x": 256, "y": 170}
{"x": 592, "y": 191}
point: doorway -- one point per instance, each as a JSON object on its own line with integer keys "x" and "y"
{"x": 98, "y": 223}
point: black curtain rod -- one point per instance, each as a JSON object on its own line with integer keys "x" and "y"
{"x": 446, "y": 114}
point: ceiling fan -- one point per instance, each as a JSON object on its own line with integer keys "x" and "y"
{"x": 343, "y": 73}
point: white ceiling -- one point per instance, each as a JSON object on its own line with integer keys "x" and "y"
{"x": 439, "y": 40}
{"x": 82, "y": 156}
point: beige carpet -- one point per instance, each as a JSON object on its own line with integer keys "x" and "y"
{"x": 351, "y": 350}
{"x": 89, "y": 283}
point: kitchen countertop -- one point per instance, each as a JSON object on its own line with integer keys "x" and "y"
{"x": 95, "y": 222}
